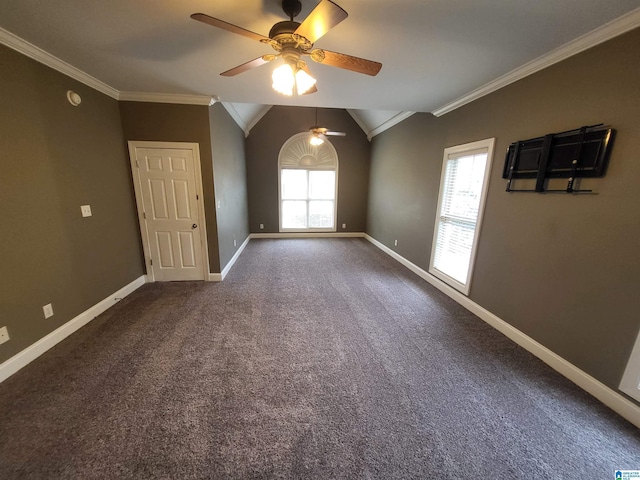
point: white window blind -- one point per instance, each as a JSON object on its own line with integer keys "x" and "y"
{"x": 462, "y": 191}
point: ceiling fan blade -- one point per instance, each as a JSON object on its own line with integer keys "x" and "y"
{"x": 256, "y": 62}
{"x": 323, "y": 18}
{"x": 348, "y": 62}
{"x": 335, "y": 134}
{"x": 229, "y": 27}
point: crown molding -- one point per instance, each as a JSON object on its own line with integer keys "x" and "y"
{"x": 180, "y": 98}
{"x": 236, "y": 117}
{"x": 620, "y": 25}
{"x": 360, "y": 123}
{"x": 389, "y": 123}
{"x": 18, "y": 44}
{"x": 246, "y": 127}
{"x": 257, "y": 117}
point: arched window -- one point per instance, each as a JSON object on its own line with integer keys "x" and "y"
{"x": 308, "y": 185}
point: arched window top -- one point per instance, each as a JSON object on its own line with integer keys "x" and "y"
{"x": 297, "y": 152}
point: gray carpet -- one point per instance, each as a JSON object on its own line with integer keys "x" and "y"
{"x": 315, "y": 358}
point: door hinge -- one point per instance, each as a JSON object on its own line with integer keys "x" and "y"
{"x": 197, "y": 197}
{"x": 151, "y": 261}
{"x": 138, "y": 163}
{"x": 144, "y": 215}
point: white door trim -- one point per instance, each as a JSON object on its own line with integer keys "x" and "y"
{"x": 195, "y": 148}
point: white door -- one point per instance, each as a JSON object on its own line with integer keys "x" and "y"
{"x": 170, "y": 206}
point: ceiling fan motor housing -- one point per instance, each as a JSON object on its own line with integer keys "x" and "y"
{"x": 289, "y": 45}
{"x": 286, "y": 27}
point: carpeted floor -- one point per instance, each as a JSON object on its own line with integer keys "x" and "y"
{"x": 315, "y": 358}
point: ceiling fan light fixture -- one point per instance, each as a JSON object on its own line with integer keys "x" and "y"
{"x": 316, "y": 140}
{"x": 304, "y": 82}
{"x": 283, "y": 80}
{"x": 286, "y": 82}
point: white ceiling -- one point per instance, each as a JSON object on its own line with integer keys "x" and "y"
{"x": 433, "y": 52}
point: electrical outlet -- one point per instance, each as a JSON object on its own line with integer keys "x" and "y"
{"x": 262, "y": 226}
{"x": 344, "y": 225}
{"x": 234, "y": 242}
{"x": 4, "y": 335}
{"x": 395, "y": 243}
{"x": 86, "y": 210}
{"x": 48, "y": 310}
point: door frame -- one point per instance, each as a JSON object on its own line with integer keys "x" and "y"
{"x": 144, "y": 234}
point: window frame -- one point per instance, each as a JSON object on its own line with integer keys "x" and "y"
{"x": 297, "y": 147}
{"x": 457, "y": 152}
{"x": 308, "y": 199}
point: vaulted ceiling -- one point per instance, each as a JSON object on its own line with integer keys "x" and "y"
{"x": 434, "y": 53}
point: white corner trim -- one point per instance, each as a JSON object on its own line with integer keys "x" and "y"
{"x": 246, "y": 127}
{"x": 179, "y": 98}
{"x": 29, "y": 354}
{"x": 236, "y": 117}
{"x": 227, "y": 267}
{"x": 620, "y": 25}
{"x": 309, "y": 235}
{"x": 606, "y": 395}
{"x": 215, "y": 277}
{"x": 263, "y": 111}
{"x": 360, "y": 123}
{"x": 390, "y": 123}
{"x": 386, "y": 125}
{"x": 18, "y": 44}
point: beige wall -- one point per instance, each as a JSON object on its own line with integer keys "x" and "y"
{"x": 564, "y": 269}
{"x": 56, "y": 157}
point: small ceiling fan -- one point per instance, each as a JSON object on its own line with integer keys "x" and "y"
{"x": 292, "y": 40}
{"x": 319, "y": 134}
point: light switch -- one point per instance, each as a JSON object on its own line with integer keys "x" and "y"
{"x": 47, "y": 310}
{"x": 86, "y": 210}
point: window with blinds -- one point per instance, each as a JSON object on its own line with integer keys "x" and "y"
{"x": 463, "y": 187}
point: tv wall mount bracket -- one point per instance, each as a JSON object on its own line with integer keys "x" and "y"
{"x": 582, "y": 152}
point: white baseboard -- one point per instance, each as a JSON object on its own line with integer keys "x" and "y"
{"x": 308, "y": 235}
{"x": 219, "y": 277}
{"x": 606, "y": 395}
{"x": 226, "y": 269}
{"x": 29, "y": 354}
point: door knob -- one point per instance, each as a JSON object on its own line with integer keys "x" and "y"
{"x": 194, "y": 225}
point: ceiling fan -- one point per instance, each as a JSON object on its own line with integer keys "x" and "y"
{"x": 292, "y": 40}
{"x": 319, "y": 134}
